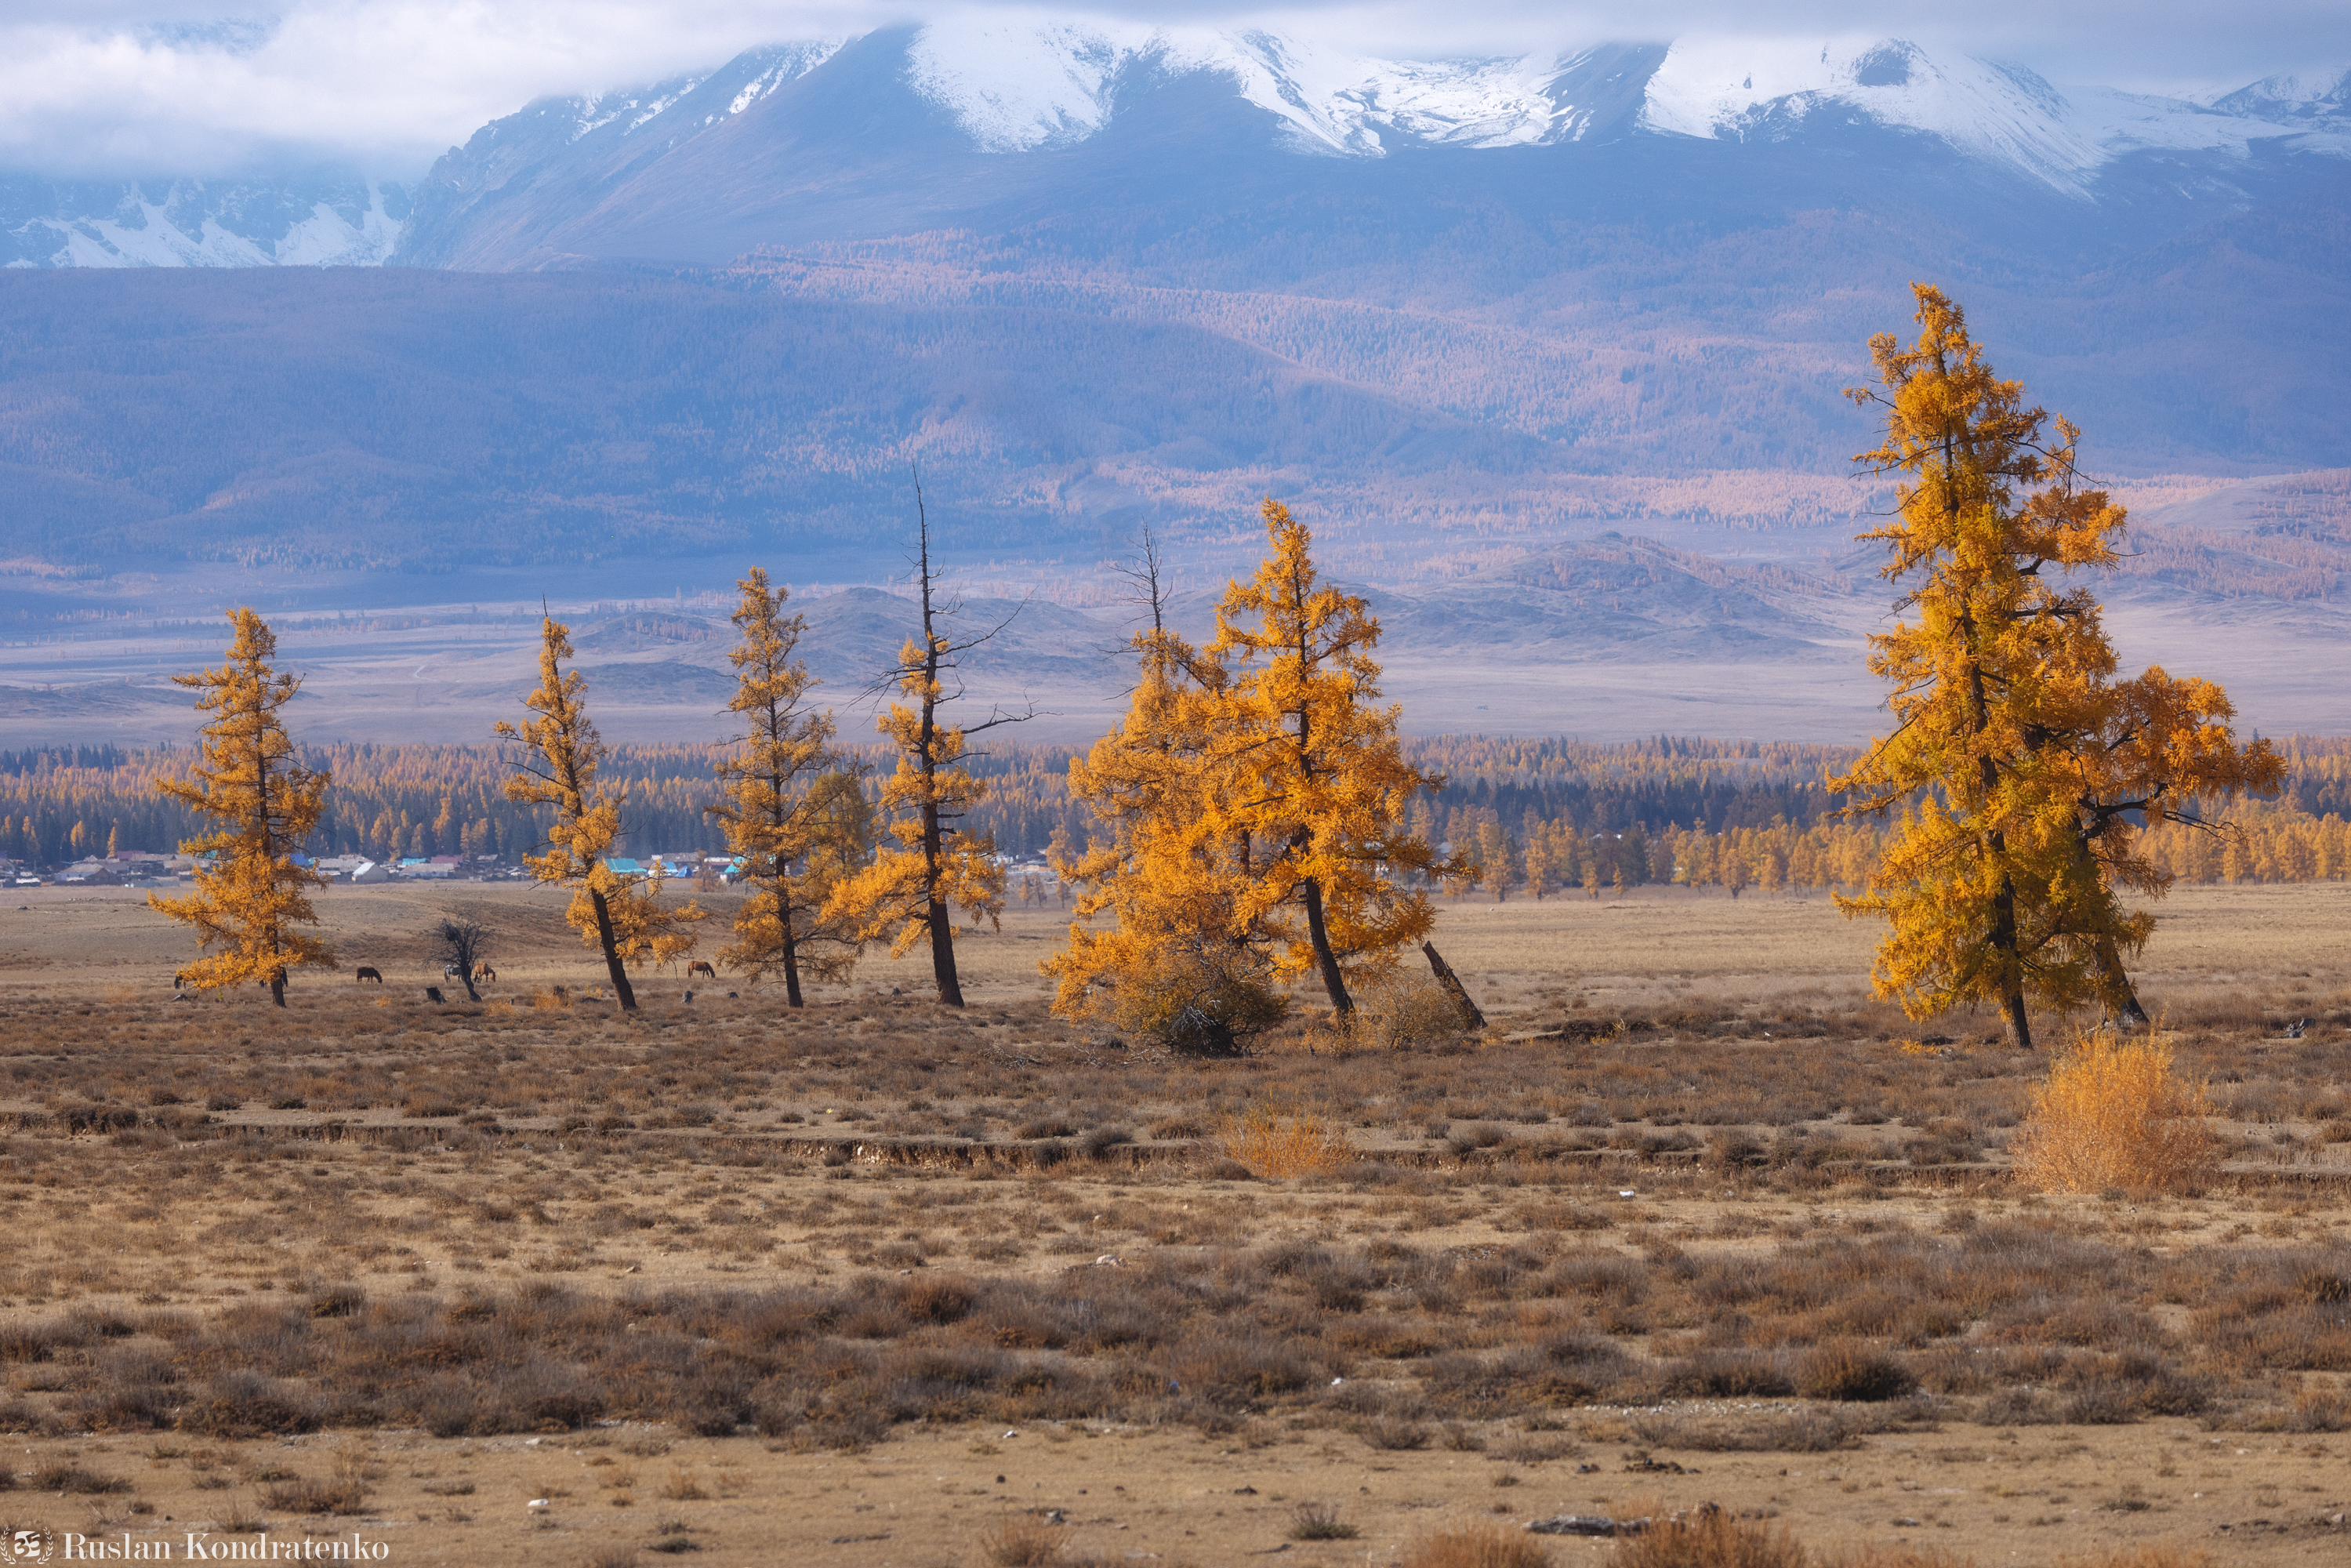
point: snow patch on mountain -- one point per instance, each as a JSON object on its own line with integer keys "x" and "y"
{"x": 2003, "y": 113}
{"x": 1015, "y": 84}
{"x": 178, "y": 231}
{"x": 2291, "y": 95}
{"x": 1018, "y": 84}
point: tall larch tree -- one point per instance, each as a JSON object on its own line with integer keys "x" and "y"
{"x": 2016, "y": 758}
{"x": 1313, "y": 777}
{"x": 251, "y": 898}
{"x": 800, "y": 824}
{"x": 931, "y": 867}
{"x": 1158, "y": 928}
{"x": 621, "y": 916}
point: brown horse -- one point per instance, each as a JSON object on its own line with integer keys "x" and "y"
{"x": 368, "y": 972}
{"x": 484, "y": 975}
{"x": 699, "y": 967}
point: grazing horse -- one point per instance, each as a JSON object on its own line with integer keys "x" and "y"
{"x": 179, "y": 981}
{"x": 368, "y": 972}
{"x": 451, "y": 971}
{"x": 699, "y": 967}
{"x": 484, "y": 975}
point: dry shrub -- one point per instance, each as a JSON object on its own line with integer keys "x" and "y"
{"x": 1189, "y": 1004}
{"x": 548, "y": 1001}
{"x": 1846, "y": 1369}
{"x": 343, "y": 1495}
{"x": 1406, "y": 1016}
{"x": 1020, "y": 1540}
{"x": 70, "y": 1478}
{"x": 1274, "y": 1144}
{"x": 1475, "y": 1546}
{"x": 1710, "y": 1538}
{"x": 2113, "y": 1114}
{"x": 1319, "y": 1522}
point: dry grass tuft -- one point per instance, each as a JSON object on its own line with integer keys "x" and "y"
{"x": 1475, "y": 1546}
{"x": 1319, "y": 1522}
{"x": 1711, "y": 1538}
{"x": 1020, "y": 1540}
{"x": 2114, "y": 1114}
{"x": 343, "y": 1495}
{"x": 1274, "y": 1144}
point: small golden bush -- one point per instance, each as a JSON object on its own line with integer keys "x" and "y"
{"x": 1477, "y": 1546}
{"x": 2113, "y": 1114}
{"x": 1275, "y": 1145}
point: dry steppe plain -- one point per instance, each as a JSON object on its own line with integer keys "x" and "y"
{"x": 1696, "y": 1221}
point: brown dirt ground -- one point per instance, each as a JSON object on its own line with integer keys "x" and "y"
{"x": 94, "y": 1231}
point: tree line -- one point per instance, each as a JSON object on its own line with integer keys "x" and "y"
{"x": 60, "y": 804}
{"x": 1255, "y": 822}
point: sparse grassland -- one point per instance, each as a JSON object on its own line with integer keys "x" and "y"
{"x": 1695, "y": 1223}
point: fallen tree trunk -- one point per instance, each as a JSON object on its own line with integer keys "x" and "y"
{"x": 1453, "y": 985}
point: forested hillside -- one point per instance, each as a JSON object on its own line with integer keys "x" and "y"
{"x": 1577, "y": 803}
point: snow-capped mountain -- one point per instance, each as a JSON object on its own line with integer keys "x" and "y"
{"x": 2003, "y": 114}
{"x": 1014, "y": 87}
{"x": 2292, "y": 99}
{"x": 1023, "y": 87}
{"x": 332, "y": 219}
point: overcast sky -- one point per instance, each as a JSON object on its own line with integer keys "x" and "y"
{"x": 100, "y": 87}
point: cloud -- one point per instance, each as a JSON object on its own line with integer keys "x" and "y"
{"x": 101, "y": 88}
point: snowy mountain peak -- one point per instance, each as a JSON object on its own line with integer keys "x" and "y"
{"x": 1021, "y": 83}
{"x": 2293, "y": 97}
{"x": 2003, "y": 113}
{"x": 1015, "y": 84}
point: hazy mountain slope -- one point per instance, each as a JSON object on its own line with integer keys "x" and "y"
{"x": 422, "y": 420}
{"x": 1492, "y": 379}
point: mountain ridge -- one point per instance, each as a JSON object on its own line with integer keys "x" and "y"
{"x": 983, "y": 87}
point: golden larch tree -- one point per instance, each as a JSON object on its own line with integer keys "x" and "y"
{"x": 250, "y": 899}
{"x": 2016, "y": 758}
{"x": 621, "y": 916}
{"x": 1158, "y": 943}
{"x": 1313, "y": 786}
{"x": 931, "y": 867}
{"x": 800, "y": 825}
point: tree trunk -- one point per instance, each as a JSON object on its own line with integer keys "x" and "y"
{"x": 2115, "y": 988}
{"x": 466, "y": 973}
{"x": 1452, "y": 985}
{"x": 2020, "y": 1028}
{"x": 278, "y": 987}
{"x": 792, "y": 947}
{"x": 943, "y": 964}
{"x": 1333, "y": 982}
{"x": 613, "y": 964}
